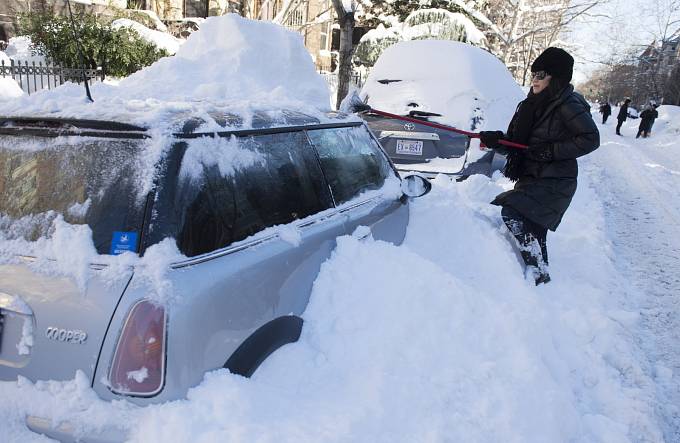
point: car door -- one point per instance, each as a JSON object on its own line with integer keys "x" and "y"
{"x": 363, "y": 183}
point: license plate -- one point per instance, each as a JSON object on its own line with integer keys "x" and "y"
{"x": 410, "y": 147}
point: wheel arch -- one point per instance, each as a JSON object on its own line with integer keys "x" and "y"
{"x": 262, "y": 343}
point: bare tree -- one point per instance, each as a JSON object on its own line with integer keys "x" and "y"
{"x": 522, "y": 29}
{"x": 345, "y": 11}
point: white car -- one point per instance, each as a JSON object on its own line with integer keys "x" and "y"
{"x": 446, "y": 82}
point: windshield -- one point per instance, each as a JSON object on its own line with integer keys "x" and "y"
{"x": 84, "y": 180}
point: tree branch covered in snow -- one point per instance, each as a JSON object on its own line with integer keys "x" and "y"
{"x": 524, "y": 28}
{"x": 423, "y": 24}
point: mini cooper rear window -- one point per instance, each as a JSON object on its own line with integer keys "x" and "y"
{"x": 229, "y": 190}
{"x": 351, "y": 160}
{"x": 85, "y": 180}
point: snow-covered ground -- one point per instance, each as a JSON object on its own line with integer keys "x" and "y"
{"x": 639, "y": 182}
{"x": 456, "y": 346}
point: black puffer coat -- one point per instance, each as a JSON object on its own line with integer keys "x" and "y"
{"x": 545, "y": 189}
{"x": 623, "y": 113}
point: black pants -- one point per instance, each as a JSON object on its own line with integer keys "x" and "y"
{"x": 604, "y": 118}
{"x": 643, "y": 130}
{"x": 618, "y": 127}
{"x": 531, "y": 237}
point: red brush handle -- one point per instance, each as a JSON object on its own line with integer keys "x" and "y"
{"x": 444, "y": 127}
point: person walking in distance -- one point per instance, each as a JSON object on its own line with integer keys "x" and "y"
{"x": 556, "y": 123}
{"x": 622, "y": 116}
{"x": 606, "y": 111}
{"x": 646, "y": 117}
{"x": 654, "y": 116}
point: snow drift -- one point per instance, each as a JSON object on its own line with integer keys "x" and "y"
{"x": 669, "y": 119}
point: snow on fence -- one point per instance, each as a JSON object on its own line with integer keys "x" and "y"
{"x": 33, "y": 77}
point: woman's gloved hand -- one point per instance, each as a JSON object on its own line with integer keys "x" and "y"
{"x": 541, "y": 152}
{"x": 491, "y": 138}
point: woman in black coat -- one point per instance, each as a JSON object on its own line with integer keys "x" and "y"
{"x": 555, "y": 122}
{"x": 623, "y": 115}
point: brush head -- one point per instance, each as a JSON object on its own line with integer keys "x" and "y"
{"x": 353, "y": 104}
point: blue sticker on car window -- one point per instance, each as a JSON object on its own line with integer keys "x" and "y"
{"x": 122, "y": 242}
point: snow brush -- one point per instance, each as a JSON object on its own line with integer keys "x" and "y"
{"x": 353, "y": 104}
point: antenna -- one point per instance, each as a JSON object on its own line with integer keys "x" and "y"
{"x": 80, "y": 50}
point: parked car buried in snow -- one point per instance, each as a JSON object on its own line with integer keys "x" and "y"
{"x": 446, "y": 82}
{"x": 209, "y": 266}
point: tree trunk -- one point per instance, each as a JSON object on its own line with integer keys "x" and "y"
{"x": 346, "y": 51}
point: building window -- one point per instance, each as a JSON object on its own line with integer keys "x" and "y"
{"x": 323, "y": 36}
{"x": 196, "y": 8}
{"x": 296, "y": 18}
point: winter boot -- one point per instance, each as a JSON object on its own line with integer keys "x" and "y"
{"x": 536, "y": 268}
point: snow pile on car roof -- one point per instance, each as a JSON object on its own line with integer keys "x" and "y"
{"x": 231, "y": 62}
{"x": 470, "y": 87}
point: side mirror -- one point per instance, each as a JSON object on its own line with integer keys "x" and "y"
{"x": 415, "y": 186}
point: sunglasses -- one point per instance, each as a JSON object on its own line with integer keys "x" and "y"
{"x": 539, "y": 75}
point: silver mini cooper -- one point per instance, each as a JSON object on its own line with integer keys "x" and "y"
{"x": 241, "y": 285}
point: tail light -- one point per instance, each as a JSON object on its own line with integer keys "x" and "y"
{"x": 138, "y": 366}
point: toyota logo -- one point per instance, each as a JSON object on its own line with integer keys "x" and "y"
{"x": 409, "y": 126}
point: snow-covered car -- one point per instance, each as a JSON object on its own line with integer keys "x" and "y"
{"x": 633, "y": 113}
{"x": 446, "y": 82}
{"x": 236, "y": 223}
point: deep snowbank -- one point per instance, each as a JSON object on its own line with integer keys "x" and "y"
{"x": 440, "y": 339}
{"x": 231, "y": 63}
{"x": 669, "y": 119}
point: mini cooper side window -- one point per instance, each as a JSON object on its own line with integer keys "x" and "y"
{"x": 351, "y": 161}
{"x": 232, "y": 188}
{"x": 89, "y": 181}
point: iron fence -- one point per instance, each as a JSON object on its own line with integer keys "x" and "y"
{"x": 33, "y": 77}
{"x": 332, "y": 79}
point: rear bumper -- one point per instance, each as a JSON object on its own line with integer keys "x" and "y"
{"x": 66, "y": 432}
{"x": 486, "y": 165}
